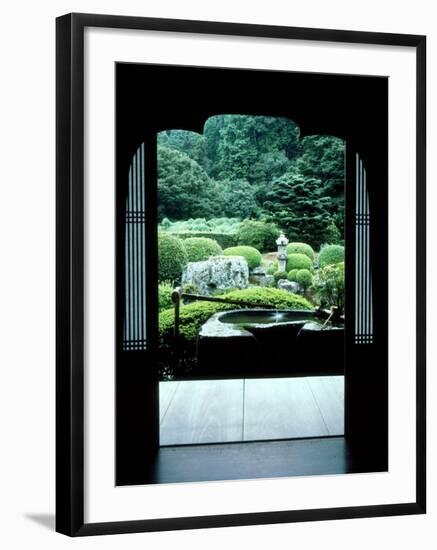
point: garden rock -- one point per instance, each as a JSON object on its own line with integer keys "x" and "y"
{"x": 259, "y": 277}
{"x": 289, "y": 286}
{"x": 217, "y": 273}
{"x": 267, "y": 280}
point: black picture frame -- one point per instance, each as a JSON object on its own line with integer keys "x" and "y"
{"x": 70, "y": 272}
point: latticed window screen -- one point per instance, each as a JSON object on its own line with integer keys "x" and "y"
{"x": 363, "y": 275}
{"x": 134, "y": 331}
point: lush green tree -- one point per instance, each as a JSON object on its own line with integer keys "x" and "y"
{"x": 238, "y": 199}
{"x": 190, "y": 143}
{"x": 323, "y": 157}
{"x": 256, "y": 167}
{"x": 184, "y": 188}
{"x": 260, "y": 235}
{"x": 211, "y": 131}
{"x": 255, "y": 147}
{"x": 297, "y": 204}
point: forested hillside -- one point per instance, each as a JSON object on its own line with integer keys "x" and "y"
{"x": 254, "y": 167}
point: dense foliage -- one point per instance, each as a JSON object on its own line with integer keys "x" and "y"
{"x": 299, "y": 261}
{"x": 298, "y": 205}
{"x": 304, "y": 278}
{"x": 165, "y": 289}
{"x": 184, "y": 188}
{"x": 252, "y": 255}
{"x": 201, "y": 248}
{"x": 172, "y": 257}
{"x": 260, "y": 235}
{"x": 331, "y": 254}
{"x": 254, "y": 167}
{"x": 329, "y": 285}
{"x": 301, "y": 248}
{"x": 291, "y": 276}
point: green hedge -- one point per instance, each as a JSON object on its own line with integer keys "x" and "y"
{"x": 252, "y": 255}
{"x": 165, "y": 289}
{"x": 301, "y": 248}
{"x": 224, "y": 240}
{"x": 280, "y": 299}
{"x": 260, "y": 235}
{"x": 172, "y": 257}
{"x": 292, "y": 275}
{"x": 304, "y": 278}
{"x": 201, "y": 248}
{"x": 193, "y": 315}
{"x": 299, "y": 261}
{"x": 191, "y": 318}
{"x": 331, "y": 254}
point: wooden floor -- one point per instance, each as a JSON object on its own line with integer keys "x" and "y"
{"x": 252, "y": 460}
{"x": 220, "y": 411}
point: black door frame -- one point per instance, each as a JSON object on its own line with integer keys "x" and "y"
{"x": 353, "y": 108}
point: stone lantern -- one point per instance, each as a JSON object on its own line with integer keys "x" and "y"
{"x": 282, "y": 242}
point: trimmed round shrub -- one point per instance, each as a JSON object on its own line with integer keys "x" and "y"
{"x": 172, "y": 257}
{"x": 299, "y": 261}
{"x": 301, "y": 248}
{"x": 260, "y": 235}
{"x": 165, "y": 289}
{"x": 331, "y": 254}
{"x": 304, "y": 278}
{"x": 292, "y": 275}
{"x": 252, "y": 255}
{"x": 280, "y": 275}
{"x": 224, "y": 240}
{"x": 201, "y": 248}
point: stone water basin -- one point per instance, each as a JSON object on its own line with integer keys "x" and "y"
{"x": 260, "y": 342}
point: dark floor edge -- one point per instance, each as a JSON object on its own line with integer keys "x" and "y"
{"x": 239, "y": 520}
{"x": 249, "y": 441}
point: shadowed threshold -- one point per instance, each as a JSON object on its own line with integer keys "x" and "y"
{"x": 255, "y": 460}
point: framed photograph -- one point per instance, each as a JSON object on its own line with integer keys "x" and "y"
{"x": 240, "y": 274}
